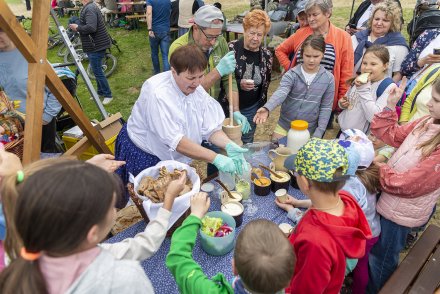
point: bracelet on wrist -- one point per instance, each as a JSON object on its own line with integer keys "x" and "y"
{"x": 387, "y": 108}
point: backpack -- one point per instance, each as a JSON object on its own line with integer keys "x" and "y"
{"x": 383, "y": 85}
{"x": 426, "y": 16}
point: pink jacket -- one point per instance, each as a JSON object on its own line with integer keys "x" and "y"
{"x": 410, "y": 183}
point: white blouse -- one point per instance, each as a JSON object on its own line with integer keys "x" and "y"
{"x": 163, "y": 114}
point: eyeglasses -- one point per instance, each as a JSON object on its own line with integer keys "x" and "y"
{"x": 209, "y": 38}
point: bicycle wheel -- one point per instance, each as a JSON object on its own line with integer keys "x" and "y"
{"x": 79, "y": 51}
{"x": 108, "y": 66}
{"x": 53, "y": 41}
{"x": 62, "y": 50}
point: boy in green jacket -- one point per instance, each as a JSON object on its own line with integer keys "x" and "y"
{"x": 263, "y": 258}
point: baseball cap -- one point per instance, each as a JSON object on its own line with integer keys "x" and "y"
{"x": 318, "y": 160}
{"x": 357, "y": 141}
{"x": 206, "y": 14}
{"x": 299, "y": 7}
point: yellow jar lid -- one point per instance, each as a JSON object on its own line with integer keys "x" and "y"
{"x": 299, "y": 125}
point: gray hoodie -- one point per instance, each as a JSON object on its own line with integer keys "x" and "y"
{"x": 106, "y": 274}
{"x": 310, "y": 103}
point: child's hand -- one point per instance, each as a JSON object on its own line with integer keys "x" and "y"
{"x": 200, "y": 204}
{"x": 173, "y": 190}
{"x": 9, "y": 163}
{"x": 344, "y": 103}
{"x": 396, "y": 93}
{"x": 261, "y": 116}
{"x": 286, "y": 206}
{"x": 106, "y": 161}
{"x": 292, "y": 200}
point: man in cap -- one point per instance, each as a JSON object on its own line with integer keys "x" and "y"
{"x": 206, "y": 33}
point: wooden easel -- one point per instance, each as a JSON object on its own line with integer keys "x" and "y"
{"x": 34, "y": 49}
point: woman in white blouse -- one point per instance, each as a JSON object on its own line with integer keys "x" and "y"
{"x": 383, "y": 29}
{"x": 172, "y": 116}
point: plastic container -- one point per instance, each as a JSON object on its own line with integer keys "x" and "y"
{"x": 262, "y": 186}
{"x": 91, "y": 151}
{"x": 280, "y": 183}
{"x": 227, "y": 179}
{"x": 298, "y": 135}
{"x": 234, "y": 209}
{"x": 219, "y": 245}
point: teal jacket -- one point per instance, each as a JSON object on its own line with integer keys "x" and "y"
{"x": 219, "y": 50}
{"x": 188, "y": 273}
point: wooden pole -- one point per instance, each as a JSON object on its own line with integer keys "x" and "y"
{"x": 36, "y": 83}
{"x": 231, "y": 101}
{"x": 34, "y": 50}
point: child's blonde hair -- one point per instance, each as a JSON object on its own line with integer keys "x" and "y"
{"x": 430, "y": 145}
{"x": 264, "y": 257}
{"x": 369, "y": 177}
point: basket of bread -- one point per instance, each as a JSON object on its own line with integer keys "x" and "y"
{"x": 150, "y": 185}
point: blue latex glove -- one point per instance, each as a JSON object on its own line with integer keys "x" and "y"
{"x": 224, "y": 164}
{"x": 236, "y": 153}
{"x": 242, "y": 120}
{"x": 227, "y": 64}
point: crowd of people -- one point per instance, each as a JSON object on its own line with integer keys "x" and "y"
{"x": 366, "y": 190}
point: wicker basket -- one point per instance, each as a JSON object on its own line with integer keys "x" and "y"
{"x": 16, "y": 147}
{"x": 138, "y": 202}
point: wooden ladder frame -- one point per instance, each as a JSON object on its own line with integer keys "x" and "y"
{"x": 41, "y": 73}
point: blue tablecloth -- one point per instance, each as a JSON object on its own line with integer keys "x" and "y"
{"x": 161, "y": 278}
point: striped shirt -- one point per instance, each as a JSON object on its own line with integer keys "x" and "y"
{"x": 328, "y": 61}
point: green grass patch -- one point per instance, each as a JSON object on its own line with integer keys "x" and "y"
{"x": 14, "y": 1}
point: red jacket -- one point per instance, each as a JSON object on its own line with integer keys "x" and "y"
{"x": 322, "y": 242}
{"x": 344, "y": 64}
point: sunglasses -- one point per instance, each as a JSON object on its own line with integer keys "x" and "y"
{"x": 209, "y": 38}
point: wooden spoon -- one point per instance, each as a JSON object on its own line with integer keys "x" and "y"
{"x": 271, "y": 171}
{"x": 256, "y": 177}
{"x": 225, "y": 188}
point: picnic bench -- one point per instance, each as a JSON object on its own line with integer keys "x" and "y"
{"x": 419, "y": 272}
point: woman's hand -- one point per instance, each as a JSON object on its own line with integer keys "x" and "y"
{"x": 173, "y": 190}
{"x": 429, "y": 59}
{"x": 396, "y": 93}
{"x": 343, "y": 102}
{"x": 246, "y": 85}
{"x": 261, "y": 115}
{"x": 106, "y": 161}
{"x": 200, "y": 203}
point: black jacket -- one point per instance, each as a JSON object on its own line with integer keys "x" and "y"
{"x": 94, "y": 35}
{"x": 361, "y": 9}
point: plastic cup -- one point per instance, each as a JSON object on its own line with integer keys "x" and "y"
{"x": 281, "y": 195}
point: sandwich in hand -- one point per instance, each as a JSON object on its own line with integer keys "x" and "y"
{"x": 363, "y": 78}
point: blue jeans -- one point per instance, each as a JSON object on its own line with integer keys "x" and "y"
{"x": 384, "y": 257}
{"x": 182, "y": 31}
{"x": 162, "y": 40}
{"x": 249, "y": 113}
{"x": 95, "y": 60}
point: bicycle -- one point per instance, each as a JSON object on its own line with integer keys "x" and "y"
{"x": 74, "y": 39}
{"x": 109, "y": 62}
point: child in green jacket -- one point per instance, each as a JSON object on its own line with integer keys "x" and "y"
{"x": 263, "y": 258}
